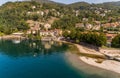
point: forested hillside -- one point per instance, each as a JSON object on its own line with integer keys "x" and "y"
{"x": 13, "y": 15}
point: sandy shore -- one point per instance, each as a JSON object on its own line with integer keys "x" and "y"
{"x": 111, "y": 52}
{"x": 7, "y": 37}
{"x": 104, "y": 64}
{"x": 86, "y": 50}
{"x": 85, "y": 68}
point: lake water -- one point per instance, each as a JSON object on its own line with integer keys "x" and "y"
{"x": 35, "y": 59}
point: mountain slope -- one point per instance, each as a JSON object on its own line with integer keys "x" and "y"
{"x": 113, "y": 3}
{"x": 78, "y": 5}
{"x": 46, "y": 1}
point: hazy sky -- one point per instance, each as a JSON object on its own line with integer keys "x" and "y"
{"x": 4, "y": 1}
{"x": 67, "y": 1}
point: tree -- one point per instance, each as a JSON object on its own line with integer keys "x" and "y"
{"x": 35, "y": 17}
{"x": 65, "y": 34}
{"x": 102, "y": 39}
{"x": 22, "y": 26}
{"x": 73, "y": 34}
{"x": 116, "y": 42}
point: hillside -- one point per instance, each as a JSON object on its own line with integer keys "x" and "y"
{"x": 47, "y": 1}
{"x": 79, "y": 5}
{"x": 44, "y": 1}
{"x": 113, "y": 3}
{"x": 13, "y": 15}
{"x": 84, "y": 5}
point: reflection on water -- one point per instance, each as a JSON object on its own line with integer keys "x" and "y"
{"x": 30, "y": 48}
{"x": 36, "y": 59}
{"x": 16, "y": 41}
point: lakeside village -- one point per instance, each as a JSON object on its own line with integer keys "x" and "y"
{"x": 35, "y": 32}
{"x": 45, "y": 32}
{"x": 48, "y": 34}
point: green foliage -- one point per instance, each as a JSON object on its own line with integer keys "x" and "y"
{"x": 22, "y": 26}
{"x": 116, "y": 42}
{"x": 38, "y": 37}
{"x": 13, "y": 15}
{"x": 66, "y": 34}
{"x": 35, "y": 17}
{"x": 72, "y": 34}
{"x": 67, "y": 22}
{"x": 1, "y": 34}
{"x": 97, "y": 39}
{"x": 79, "y": 5}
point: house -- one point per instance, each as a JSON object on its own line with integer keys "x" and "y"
{"x": 79, "y": 25}
{"x": 103, "y": 14}
{"x": 47, "y": 26}
{"x": 96, "y": 27}
{"x": 114, "y": 24}
{"x": 89, "y": 26}
{"x": 28, "y": 12}
{"x": 34, "y": 26}
{"x": 52, "y": 33}
{"x": 97, "y": 12}
{"x": 58, "y": 32}
{"x": 42, "y": 13}
{"x": 77, "y": 12}
{"x": 110, "y": 36}
{"x": 46, "y": 11}
{"x": 58, "y": 13}
{"x": 85, "y": 19}
{"x": 47, "y": 33}
{"x": 33, "y": 7}
{"x": 106, "y": 25}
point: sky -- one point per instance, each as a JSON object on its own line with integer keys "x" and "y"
{"x": 4, "y": 1}
{"x": 66, "y": 1}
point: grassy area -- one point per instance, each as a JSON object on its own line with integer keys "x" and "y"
{"x": 2, "y": 34}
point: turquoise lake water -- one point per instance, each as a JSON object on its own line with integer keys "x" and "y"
{"x": 35, "y": 59}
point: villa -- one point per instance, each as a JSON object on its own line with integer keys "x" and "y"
{"x": 110, "y": 36}
{"x": 79, "y": 25}
{"x": 47, "y": 26}
{"x": 47, "y": 33}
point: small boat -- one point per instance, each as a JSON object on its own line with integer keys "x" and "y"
{"x": 16, "y": 41}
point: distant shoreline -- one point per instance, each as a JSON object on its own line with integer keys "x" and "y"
{"x": 10, "y": 37}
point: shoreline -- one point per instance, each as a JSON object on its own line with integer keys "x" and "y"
{"x": 110, "y": 65}
{"x": 102, "y": 63}
{"x": 10, "y": 37}
{"x": 81, "y": 67}
{"x": 98, "y": 62}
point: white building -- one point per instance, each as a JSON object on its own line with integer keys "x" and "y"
{"x": 47, "y": 26}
